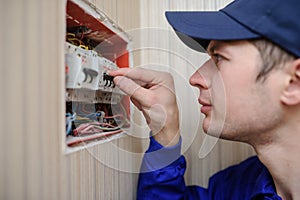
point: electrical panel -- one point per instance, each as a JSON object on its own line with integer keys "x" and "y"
{"x": 96, "y": 110}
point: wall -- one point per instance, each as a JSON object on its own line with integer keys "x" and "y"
{"x": 32, "y": 162}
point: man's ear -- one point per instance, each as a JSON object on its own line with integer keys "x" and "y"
{"x": 291, "y": 93}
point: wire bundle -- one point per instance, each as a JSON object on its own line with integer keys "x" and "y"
{"x": 84, "y": 125}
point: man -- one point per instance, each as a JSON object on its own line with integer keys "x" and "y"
{"x": 255, "y": 48}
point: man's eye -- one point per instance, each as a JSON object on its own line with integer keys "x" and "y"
{"x": 217, "y": 58}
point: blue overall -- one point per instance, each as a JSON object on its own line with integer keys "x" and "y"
{"x": 160, "y": 180}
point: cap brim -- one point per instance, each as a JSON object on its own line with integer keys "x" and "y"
{"x": 196, "y": 29}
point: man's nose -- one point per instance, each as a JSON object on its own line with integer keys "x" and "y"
{"x": 200, "y": 78}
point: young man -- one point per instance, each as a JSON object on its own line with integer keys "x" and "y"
{"x": 255, "y": 48}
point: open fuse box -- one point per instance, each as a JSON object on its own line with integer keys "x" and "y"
{"x": 96, "y": 111}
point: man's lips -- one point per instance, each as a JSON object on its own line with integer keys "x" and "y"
{"x": 206, "y": 107}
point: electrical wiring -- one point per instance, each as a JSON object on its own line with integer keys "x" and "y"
{"x": 120, "y": 118}
{"x": 84, "y": 47}
{"x": 114, "y": 116}
{"x": 97, "y": 114}
{"x": 116, "y": 119}
{"x": 71, "y": 38}
{"x": 70, "y": 35}
{"x": 94, "y": 127}
{"x": 84, "y": 113}
{"x": 121, "y": 113}
{"x": 69, "y": 119}
{"x": 82, "y": 34}
{"x": 77, "y": 140}
{"x": 92, "y": 112}
{"x": 75, "y": 41}
{"x": 105, "y": 110}
{"x": 79, "y": 118}
{"x": 79, "y": 121}
{"x": 85, "y": 124}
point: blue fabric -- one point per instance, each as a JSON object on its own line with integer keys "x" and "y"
{"x": 157, "y": 156}
{"x": 247, "y": 180}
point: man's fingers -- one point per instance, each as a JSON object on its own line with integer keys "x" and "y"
{"x": 132, "y": 89}
{"x": 140, "y": 74}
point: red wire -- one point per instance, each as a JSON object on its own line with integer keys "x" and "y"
{"x": 82, "y": 35}
{"x": 93, "y": 137}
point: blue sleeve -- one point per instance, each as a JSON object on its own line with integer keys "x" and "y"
{"x": 162, "y": 175}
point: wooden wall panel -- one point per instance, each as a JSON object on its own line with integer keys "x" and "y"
{"x": 33, "y": 163}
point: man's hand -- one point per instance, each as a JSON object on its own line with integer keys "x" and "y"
{"x": 153, "y": 93}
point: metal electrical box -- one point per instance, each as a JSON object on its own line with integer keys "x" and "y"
{"x": 96, "y": 110}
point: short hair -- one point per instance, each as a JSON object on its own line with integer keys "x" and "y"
{"x": 273, "y": 57}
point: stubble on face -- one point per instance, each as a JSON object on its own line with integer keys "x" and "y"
{"x": 251, "y": 112}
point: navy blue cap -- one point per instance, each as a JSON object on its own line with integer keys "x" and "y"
{"x": 275, "y": 20}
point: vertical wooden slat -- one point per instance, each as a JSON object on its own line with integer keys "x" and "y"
{"x": 32, "y": 104}
{"x": 30, "y": 62}
{"x": 99, "y": 174}
{"x": 3, "y": 153}
{"x": 2, "y": 134}
{"x": 13, "y": 79}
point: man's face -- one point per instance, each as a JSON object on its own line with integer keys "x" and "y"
{"x": 235, "y": 104}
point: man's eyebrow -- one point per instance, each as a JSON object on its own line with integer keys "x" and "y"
{"x": 215, "y": 46}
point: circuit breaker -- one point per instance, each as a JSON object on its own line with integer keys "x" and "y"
{"x": 96, "y": 110}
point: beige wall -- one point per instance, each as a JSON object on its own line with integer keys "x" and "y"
{"x": 32, "y": 162}
{"x": 33, "y": 165}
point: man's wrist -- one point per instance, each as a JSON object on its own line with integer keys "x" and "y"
{"x": 169, "y": 135}
{"x": 158, "y": 156}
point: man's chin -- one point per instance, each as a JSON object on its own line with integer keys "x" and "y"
{"x": 214, "y": 131}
